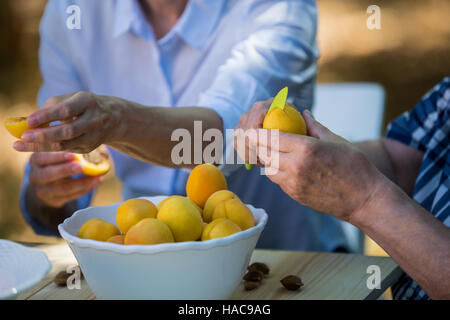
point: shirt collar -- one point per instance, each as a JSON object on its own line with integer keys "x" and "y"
{"x": 197, "y": 22}
{"x": 128, "y": 17}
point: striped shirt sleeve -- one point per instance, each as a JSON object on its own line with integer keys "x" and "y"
{"x": 416, "y": 127}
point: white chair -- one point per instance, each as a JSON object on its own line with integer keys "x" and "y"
{"x": 355, "y": 112}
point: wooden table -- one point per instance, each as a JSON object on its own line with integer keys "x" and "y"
{"x": 325, "y": 275}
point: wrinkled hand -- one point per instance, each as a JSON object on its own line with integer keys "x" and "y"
{"x": 322, "y": 170}
{"x": 251, "y": 119}
{"x": 50, "y": 177}
{"x": 87, "y": 121}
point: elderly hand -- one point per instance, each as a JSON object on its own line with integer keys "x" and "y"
{"x": 252, "y": 119}
{"x": 322, "y": 170}
{"x": 87, "y": 121}
{"x": 50, "y": 178}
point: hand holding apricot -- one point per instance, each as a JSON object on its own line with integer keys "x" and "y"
{"x": 87, "y": 121}
{"x": 322, "y": 164}
{"x": 251, "y": 119}
{"x": 51, "y": 179}
{"x": 18, "y": 125}
{"x": 286, "y": 119}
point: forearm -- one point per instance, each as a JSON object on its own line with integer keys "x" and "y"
{"x": 145, "y": 132}
{"x": 417, "y": 241}
{"x": 397, "y": 161}
{"x": 377, "y": 154}
{"x": 49, "y": 217}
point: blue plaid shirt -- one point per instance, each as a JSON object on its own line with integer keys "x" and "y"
{"x": 427, "y": 128}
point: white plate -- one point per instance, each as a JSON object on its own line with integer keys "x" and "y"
{"x": 21, "y": 268}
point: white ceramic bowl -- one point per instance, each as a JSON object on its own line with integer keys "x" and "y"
{"x": 184, "y": 270}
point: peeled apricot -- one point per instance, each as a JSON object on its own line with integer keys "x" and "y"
{"x": 286, "y": 120}
{"x": 212, "y": 202}
{"x": 94, "y": 163}
{"x": 183, "y": 219}
{"x": 219, "y": 228}
{"x": 159, "y": 206}
{"x": 18, "y": 125}
{"x": 149, "y": 231}
{"x": 132, "y": 211}
{"x": 119, "y": 239}
{"x": 236, "y": 211}
{"x": 98, "y": 229}
{"x": 204, "y": 180}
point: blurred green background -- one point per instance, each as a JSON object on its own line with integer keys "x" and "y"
{"x": 407, "y": 57}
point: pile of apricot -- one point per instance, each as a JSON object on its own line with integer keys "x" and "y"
{"x": 208, "y": 212}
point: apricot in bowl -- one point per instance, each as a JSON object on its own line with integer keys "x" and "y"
{"x": 171, "y": 270}
{"x": 203, "y": 181}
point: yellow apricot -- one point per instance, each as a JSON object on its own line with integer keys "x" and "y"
{"x": 236, "y": 211}
{"x": 204, "y": 180}
{"x": 149, "y": 231}
{"x": 159, "y": 206}
{"x": 183, "y": 219}
{"x": 132, "y": 211}
{"x": 119, "y": 239}
{"x": 94, "y": 163}
{"x": 220, "y": 228}
{"x": 285, "y": 120}
{"x": 98, "y": 229}
{"x": 207, "y": 229}
{"x": 18, "y": 125}
{"x": 204, "y": 224}
{"x": 213, "y": 200}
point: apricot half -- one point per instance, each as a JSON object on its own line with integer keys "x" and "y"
{"x": 212, "y": 202}
{"x": 18, "y": 125}
{"x": 236, "y": 211}
{"x": 149, "y": 231}
{"x": 132, "y": 211}
{"x": 98, "y": 229}
{"x": 204, "y": 180}
{"x": 219, "y": 228}
{"x": 286, "y": 120}
{"x": 183, "y": 219}
{"x": 94, "y": 163}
